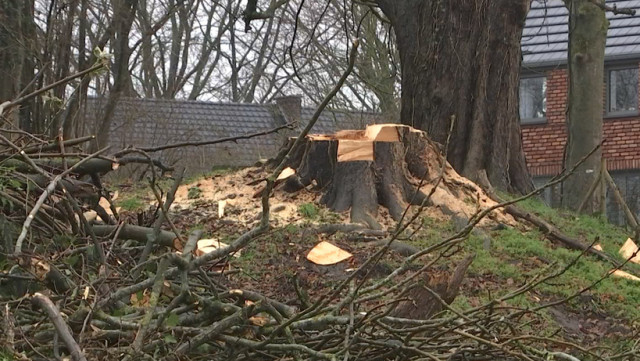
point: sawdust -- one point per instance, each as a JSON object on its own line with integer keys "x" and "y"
{"x": 241, "y": 206}
{"x": 233, "y": 195}
{"x": 454, "y": 195}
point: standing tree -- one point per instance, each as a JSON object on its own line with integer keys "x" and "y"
{"x": 588, "y": 27}
{"x": 587, "y": 37}
{"x": 17, "y": 40}
{"x": 462, "y": 59}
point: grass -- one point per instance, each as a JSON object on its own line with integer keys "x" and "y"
{"x": 308, "y": 211}
{"x": 514, "y": 257}
{"x": 520, "y": 255}
{"x": 5, "y": 355}
{"x": 131, "y": 204}
{"x": 215, "y": 171}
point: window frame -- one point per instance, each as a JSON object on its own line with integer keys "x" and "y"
{"x": 607, "y": 96}
{"x": 532, "y": 121}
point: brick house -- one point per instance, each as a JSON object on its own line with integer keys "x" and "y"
{"x": 543, "y": 96}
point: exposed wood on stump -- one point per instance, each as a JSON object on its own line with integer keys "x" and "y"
{"x": 361, "y": 169}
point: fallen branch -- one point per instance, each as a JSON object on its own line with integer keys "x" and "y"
{"x": 47, "y": 192}
{"x": 137, "y": 233}
{"x": 62, "y": 328}
{"x": 56, "y": 145}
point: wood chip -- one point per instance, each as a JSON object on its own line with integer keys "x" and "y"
{"x": 353, "y": 150}
{"x": 325, "y": 253}
{"x": 286, "y": 173}
{"x": 90, "y": 216}
{"x": 623, "y": 274}
{"x": 209, "y": 245}
{"x": 221, "y": 205}
{"x": 259, "y": 320}
{"x": 628, "y": 249}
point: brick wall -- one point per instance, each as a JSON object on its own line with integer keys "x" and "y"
{"x": 544, "y": 143}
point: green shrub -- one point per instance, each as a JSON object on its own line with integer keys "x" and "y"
{"x": 308, "y": 210}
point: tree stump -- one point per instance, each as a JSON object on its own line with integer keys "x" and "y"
{"x": 358, "y": 170}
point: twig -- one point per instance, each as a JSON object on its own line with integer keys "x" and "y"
{"x": 614, "y": 9}
{"x": 205, "y": 142}
{"x": 8, "y": 105}
{"x": 63, "y": 329}
{"x": 47, "y": 192}
{"x": 151, "y": 308}
{"x": 164, "y": 207}
{"x": 213, "y": 331}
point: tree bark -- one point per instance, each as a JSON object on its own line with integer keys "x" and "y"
{"x": 17, "y": 39}
{"x": 377, "y": 171}
{"x": 588, "y": 24}
{"x": 462, "y": 59}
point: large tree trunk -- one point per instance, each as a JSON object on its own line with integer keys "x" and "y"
{"x": 462, "y": 59}
{"x": 588, "y": 24}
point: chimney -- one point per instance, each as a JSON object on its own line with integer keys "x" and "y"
{"x": 291, "y": 108}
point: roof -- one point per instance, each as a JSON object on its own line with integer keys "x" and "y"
{"x": 153, "y": 122}
{"x": 544, "y": 39}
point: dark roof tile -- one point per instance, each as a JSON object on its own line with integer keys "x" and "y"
{"x": 544, "y": 39}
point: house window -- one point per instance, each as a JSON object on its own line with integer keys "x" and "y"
{"x": 533, "y": 99}
{"x": 622, "y": 92}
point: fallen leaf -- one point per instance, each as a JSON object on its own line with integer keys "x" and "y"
{"x": 598, "y": 247}
{"x": 325, "y": 253}
{"x": 141, "y": 298}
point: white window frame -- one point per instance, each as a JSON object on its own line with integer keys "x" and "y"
{"x": 540, "y": 120}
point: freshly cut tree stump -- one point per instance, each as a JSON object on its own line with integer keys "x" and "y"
{"x": 358, "y": 170}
